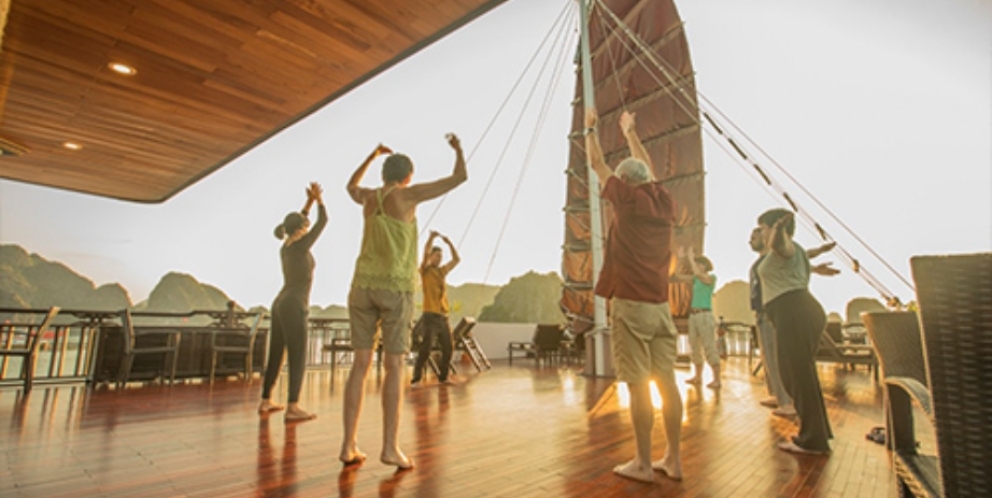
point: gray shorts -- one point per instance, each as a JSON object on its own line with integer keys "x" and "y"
{"x": 644, "y": 339}
{"x": 371, "y": 310}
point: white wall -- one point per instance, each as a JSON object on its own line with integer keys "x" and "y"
{"x": 493, "y": 337}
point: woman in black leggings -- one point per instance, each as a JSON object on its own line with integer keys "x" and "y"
{"x": 799, "y": 321}
{"x": 291, "y": 307}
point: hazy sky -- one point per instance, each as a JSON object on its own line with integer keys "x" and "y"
{"x": 882, "y": 108}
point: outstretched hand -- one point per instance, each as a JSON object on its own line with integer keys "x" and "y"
{"x": 315, "y": 192}
{"x": 382, "y": 149}
{"x": 627, "y": 123}
{"x": 453, "y": 141}
{"x": 824, "y": 269}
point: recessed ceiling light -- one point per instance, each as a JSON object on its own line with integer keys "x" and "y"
{"x": 72, "y": 145}
{"x": 121, "y": 68}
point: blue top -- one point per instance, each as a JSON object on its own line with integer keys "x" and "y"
{"x": 702, "y": 294}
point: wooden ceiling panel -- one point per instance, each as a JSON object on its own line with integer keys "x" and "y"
{"x": 214, "y": 78}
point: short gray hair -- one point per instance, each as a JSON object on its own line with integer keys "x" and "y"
{"x": 633, "y": 171}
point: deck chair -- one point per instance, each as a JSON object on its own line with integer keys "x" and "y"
{"x": 833, "y": 348}
{"x": 234, "y": 341}
{"x": 155, "y": 341}
{"x": 466, "y": 343}
{"x": 546, "y": 344}
{"x": 899, "y": 344}
{"x": 954, "y": 295}
{"x": 29, "y": 353}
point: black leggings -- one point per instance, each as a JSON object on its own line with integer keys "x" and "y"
{"x": 289, "y": 333}
{"x": 799, "y": 322}
{"x": 434, "y": 324}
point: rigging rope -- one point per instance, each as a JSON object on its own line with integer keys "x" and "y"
{"x": 513, "y": 132}
{"x": 740, "y": 152}
{"x": 499, "y": 111}
{"x": 535, "y": 136}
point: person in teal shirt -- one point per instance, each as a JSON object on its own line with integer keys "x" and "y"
{"x": 702, "y": 325}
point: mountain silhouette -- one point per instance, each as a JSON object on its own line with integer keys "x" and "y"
{"x": 529, "y": 298}
{"x": 30, "y": 281}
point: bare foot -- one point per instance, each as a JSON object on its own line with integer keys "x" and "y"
{"x": 299, "y": 415}
{"x": 397, "y": 458}
{"x": 634, "y": 470}
{"x": 353, "y": 457}
{"x": 714, "y": 385}
{"x": 672, "y": 469}
{"x": 267, "y": 406}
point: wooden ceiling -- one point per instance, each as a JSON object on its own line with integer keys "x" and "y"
{"x": 214, "y": 78}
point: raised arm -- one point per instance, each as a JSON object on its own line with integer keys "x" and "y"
{"x": 427, "y": 249}
{"x": 427, "y": 191}
{"x": 358, "y": 193}
{"x": 594, "y": 152}
{"x": 455, "y": 258}
{"x": 698, "y": 272}
{"x": 314, "y": 195}
{"x": 816, "y": 251}
{"x": 781, "y": 242}
{"x": 629, "y": 129}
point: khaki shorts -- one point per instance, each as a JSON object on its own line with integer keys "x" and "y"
{"x": 373, "y": 309}
{"x": 644, "y": 338}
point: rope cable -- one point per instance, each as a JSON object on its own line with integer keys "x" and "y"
{"x": 506, "y": 146}
{"x": 870, "y": 279}
{"x": 499, "y": 111}
{"x": 535, "y": 136}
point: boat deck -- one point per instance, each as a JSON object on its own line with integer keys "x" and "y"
{"x": 515, "y": 431}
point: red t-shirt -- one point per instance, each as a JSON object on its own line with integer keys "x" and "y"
{"x": 638, "y": 250}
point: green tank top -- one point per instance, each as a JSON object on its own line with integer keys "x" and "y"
{"x": 389, "y": 252}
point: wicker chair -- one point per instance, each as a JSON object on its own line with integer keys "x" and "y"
{"x": 897, "y": 340}
{"x": 954, "y": 294}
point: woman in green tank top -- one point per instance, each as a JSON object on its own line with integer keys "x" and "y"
{"x": 381, "y": 297}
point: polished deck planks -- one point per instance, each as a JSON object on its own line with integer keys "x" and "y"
{"x": 513, "y": 431}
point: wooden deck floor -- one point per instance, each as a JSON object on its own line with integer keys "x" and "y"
{"x": 515, "y": 431}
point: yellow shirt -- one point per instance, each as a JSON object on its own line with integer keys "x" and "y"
{"x": 435, "y": 290}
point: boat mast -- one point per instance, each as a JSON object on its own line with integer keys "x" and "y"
{"x": 600, "y": 332}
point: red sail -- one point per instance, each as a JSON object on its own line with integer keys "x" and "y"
{"x": 664, "y": 101}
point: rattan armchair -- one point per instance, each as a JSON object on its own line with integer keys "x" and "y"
{"x": 954, "y": 295}
{"x": 897, "y": 340}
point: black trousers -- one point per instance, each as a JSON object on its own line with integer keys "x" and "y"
{"x": 288, "y": 334}
{"x": 799, "y": 322}
{"x": 434, "y": 325}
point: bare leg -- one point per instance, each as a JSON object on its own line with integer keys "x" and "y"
{"x": 671, "y": 400}
{"x": 642, "y": 417}
{"x": 716, "y": 377}
{"x": 392, "y": 396}
{"x": 354, "y": 397}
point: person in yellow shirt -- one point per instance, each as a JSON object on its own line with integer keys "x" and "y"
{"x": 434, "y": 321}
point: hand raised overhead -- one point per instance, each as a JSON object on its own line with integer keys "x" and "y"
{"x": 627, "y": 122}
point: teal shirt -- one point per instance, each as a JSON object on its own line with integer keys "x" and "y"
{"x": 702, "y": 294}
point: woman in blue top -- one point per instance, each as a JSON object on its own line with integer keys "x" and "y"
{"x": 702, "y": 325}
{"x": 290, "y": 309}
{"x": 799, "y": 320}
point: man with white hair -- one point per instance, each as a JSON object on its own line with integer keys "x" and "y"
{"x": 635, "y": 277}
